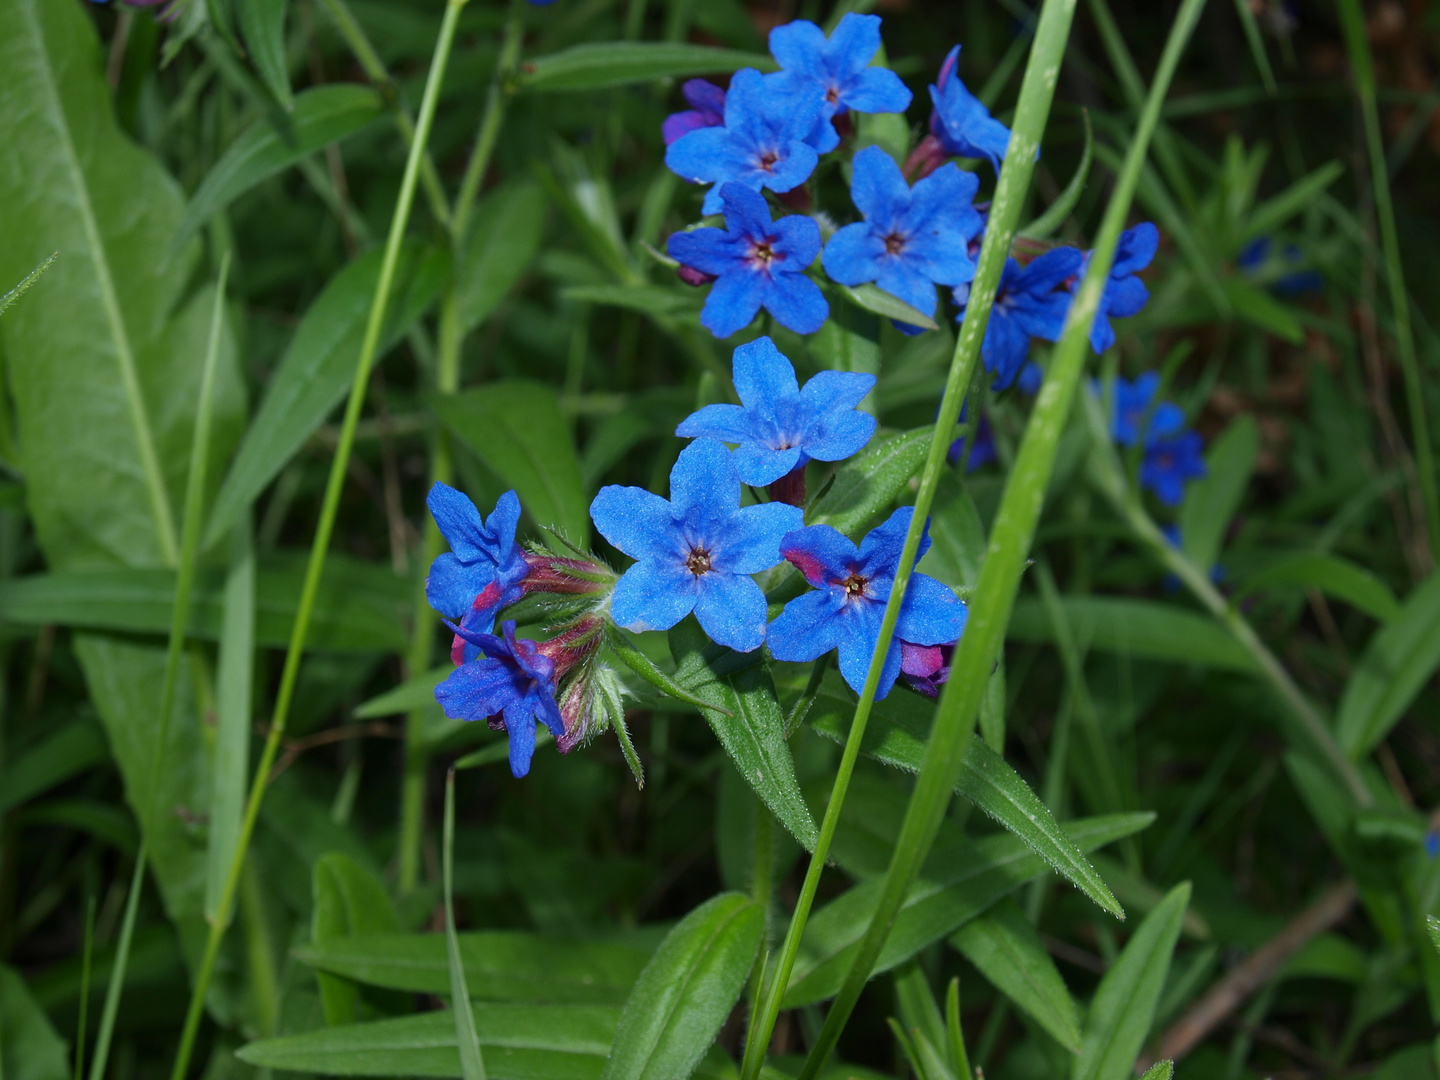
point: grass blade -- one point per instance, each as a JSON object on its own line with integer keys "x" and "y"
{"x": 472, "y": 1065}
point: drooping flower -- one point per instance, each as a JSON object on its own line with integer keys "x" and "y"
{"x": 1132, "y": 401}
{"x": 696, "y": 551}
{"x": 1028, "y": 304}
{"x": 781, "y": 426}
{"x": 761, "y": 144}
{"x": 961, "y": 122}
{"x": 1172, "y": 462}
{"x": 911, "y": 238}
{"x": 841, "y": 68}
{"x": 926, "y": 667}
{"x": 1125, "y": 294}
{"x": 483, "y": 570}
{"x": 851, "y": 586}
{"x": 755, "y": 263}
{"x": 707, "y": 109}
{"x": 512, "y": 686}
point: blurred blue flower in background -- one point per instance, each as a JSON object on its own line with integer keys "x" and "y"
{"x": 707, "y": 109}
{"x": 961, "y": 122}
{"x": 1125, "y": 294}
{"x": 1170, "y": 463}
{"x": 1028, "y": 304}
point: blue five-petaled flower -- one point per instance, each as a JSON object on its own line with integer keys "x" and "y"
{"x": 696, "y": 551}
{"x": 781, "y": 426}
{"x": 840, "y": 67}
{"x": 1125, "y": 294}
{"x": 513, "y": 680}
{"x": 1027, "y": 305}
{"x": 1171, "y": 462}
{"x": 1132, "y": 403}
{"x": 961, "y": 121}
{"x": 484, "y": 568}
{"x": 852, "y": 586}
{"x": 911, "y": 238}
{"x": 757, "y": 263}
{"x": 761, "y": 144}
{"x": 707, "y": 109}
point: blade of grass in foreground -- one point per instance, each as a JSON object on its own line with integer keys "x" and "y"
{"x": 472, "y": 1065}
{"x": 1015, "y": 522}
{"x": 1036, "y": 93}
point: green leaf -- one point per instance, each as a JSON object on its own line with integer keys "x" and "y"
{"x": 687, "y": 990}
{"x": 105, "y": 821}
{"x": 263, "y": 24}
{"x": 871, "y": 482}
{"x": 1256, "y": 306}
{"x": 1433, "y": 925}
{"x": 1295, "y": 199}
{"x": 1056, "y": 213}
{"x": 1162, "y": 1070}
{"x": 409, "y": 695}
{"x": 873, "y": 298}
{"x": 1332, "y": 575}
{"x": 956, "y": 886}
{"x": 643, "y": 666}
{"x": 500, "y": 965}
{"x": 499, "y": 248}
{"x": 957, "y": 537}
{"x": 472, "y": 1062}
{"x": 516, "y": 429}
{"x": 656, "y": 301}
{"x": 1124, "y": 1005}
{"x": 1140, "y": 628}
{"x": 895, "y": 736}
{"x": 349, "y": 902}
{"x": 318, "y": 366}
{"x": 30, "y": 1048}
{"x": 321, "y": 116}
{"x": 522, "y": 1042}
{"x": 77, "y": 746}
{"x": 753, "y": 732}
{"x": 1395, "y": 665}
{"x": 1008, "y": 951}
{"x": 597, "y": 65}
{"x": 1211, "y": 503}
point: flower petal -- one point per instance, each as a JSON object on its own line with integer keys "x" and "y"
{"x": 751, "y": 539}
{"x": 763, "y": 376}
{"x": 708, "y": 250}
{"x": 731, "y": 610}
{"x": 639, "y": 523}
{"x": 837, "y": 437}
{"x": 734, "y": 301}
{"x": 452, "y": 585}
{"x": 797, "y": 46}
{"x": 836, "y": 392}
{"x": 728, "y": 423}
{"x": 704, "y": 486}
{"x": 807, "y": 628}
{"x": 759, "y": 466}
{"x": 478, "y": 689}
{"x": 746, "y": 211}
{"x": 931, "y": 613}
{"x": 878, "y": 188}
{"x": 877, "y": 90}
{"x": 520, "y": 727}
{"x": 852, "y": 257}
{"x": 653, "y": 596}
{"x": 796, "y": 302}
{"x": 821, "y": 552}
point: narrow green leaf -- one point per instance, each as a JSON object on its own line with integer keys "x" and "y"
{"x": 472, "y": 1063}
{"x": 595, "y": 66}
{"x": 1124, "y": 1005}
{"x": 105, "y": 821}
{"x": 1295, "y": 199}
{"x": 643, "y": 666}
{"x": 1056, "y": 213}
{"x": 1257, "y": 46}
{"x": 957, "y": 537}
{"x": 25, "y": 283}
{"x": 1257, "y": 307}
{"x": 656, "y": 301}
{"x": 321, "y": 116}
{"x": 1161, "y": 1070}
{"x": 77, "y": 746}
{"x": 516, "y": 428}
{"x": 262, "y": 22}
{"x": 751, "y": 726}
{"x": 1332, "y": 575}
{"x": 1008, "y": 951}
{"x": 349, "y": 902}
{"x": 873, "y": 298}
{"x": 1395, "y": 665}
{"x": 686, "y": 991}
{"x": 411, "y": 694}
{"x": 870, "y": 482}
{"x": 1212, "y": 502}
{"x": 499, "y": 247}
{"x": 30, "y": 1047}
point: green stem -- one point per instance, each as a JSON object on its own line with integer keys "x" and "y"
{"x": 1024, "y": 495}
{"x": 1352, "y": 20}
{"x": 324, "y": 527}
{"x": 1032, "y": 111}
{"x": 111, "y": 1008}
{"x": 447, "y": 381}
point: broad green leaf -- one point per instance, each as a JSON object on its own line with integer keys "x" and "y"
{"x": 30, "y": 1048}
{"x": 500, "y": 965}
{"x": 71, "y": 750}
{"x": 349, "y": 902}
{"x": 597, "y": 65}
{"x": 1140, "y": 628}
{"x": 263, "y": 24}
{"x": 318, "y": 366}
{"x": 1395, "y": 665}
{"x": 499, "y": 247}
{"x": 321, "y": 116}
{"x": 958, "y": 884}
{"x": 1332, "y": 575}
{"x": 1211, "y": 503}
{"x": 516, "y": 429}
{"x": 358, "y": 606}
{"x": 871, "y": 482}
{"x": 105, "y": 821}
{"x": 753, "y": 733}
{"x": 957, "y": 537}
{"x": 873, "y": 298}
{"x": 521, "y": 1042}
{"x": 1008, "y": 951}
{"x": 627, "y": 652}
{"x": 687, "y": 990}
{"x": 1124, "y": 1005}
{"x": 895, "y": 736}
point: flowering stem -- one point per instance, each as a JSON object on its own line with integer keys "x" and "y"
{"x": 1014, "y": 181}
{"x": 323, "y": 529}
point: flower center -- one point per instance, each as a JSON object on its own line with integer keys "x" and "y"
{"x": 832, "y": 95}
{"x": 768, "y": 159}
{"x": 894, "y": 243}
{"x": 764, "y": 254}
{"x": 855, "y": 585}
{"x": 698, "y": 561}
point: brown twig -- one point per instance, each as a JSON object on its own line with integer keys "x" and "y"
{"x": 295, "y": 747}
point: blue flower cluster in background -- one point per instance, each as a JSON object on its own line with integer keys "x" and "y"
{"x": 1172, "y": 455}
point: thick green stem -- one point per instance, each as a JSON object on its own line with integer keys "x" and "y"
{"x": 323, "y": 529}
{"x": 1352, "y": 20}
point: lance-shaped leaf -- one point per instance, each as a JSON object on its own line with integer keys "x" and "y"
{"x": 870, "y": 482}
{"x": 873, "y": 298}
{"x": 1211, "y": 503}
{"x": 594, "y": 66}
{"x": 643, "y": 666}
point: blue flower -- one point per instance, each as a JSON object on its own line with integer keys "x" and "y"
{"x": 483, "y": 570}
{"x": 851, "y": 587}
{"x": 911, "y": 238}
{"x": 761, "y": 144}
{"x": 1125, "y": 294}
{"x": 1027, "y": 305}
{"x": 1170, "y": 582}
{"x": 695, "y": 552}
{"x": 756, "y": 263}
{"x": 707, "y": 109}
{"x": 513, "y": 680}
{"x": 984, "y": 452}
{"x": 1170, "y": 463}
{"x": 780, "y": 426}
{"x": 841, "y": 68}
{"x": 1287, "y": 277}
{"x": 1032, "y": 375}
{"x": 1132, "y": 401}
{"x": 961, "y": 122}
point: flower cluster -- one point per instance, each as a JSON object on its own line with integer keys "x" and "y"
{"x": 1171, "y": 454}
